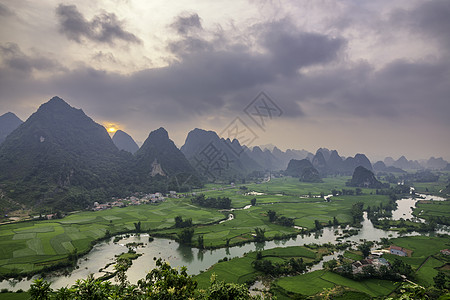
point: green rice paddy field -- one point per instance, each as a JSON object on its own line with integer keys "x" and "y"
{"x": 240, "y": 269}
{"x": 315, "y": 282}
{"x": 30, "y": 246}
{"x": 426, "y": 258}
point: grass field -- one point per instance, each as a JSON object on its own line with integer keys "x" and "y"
{"x": 241, "y": 228}
{"x": 240, "y": 270}
{"x": 425, "y": 255}
{"x": 433, "y": 209}
{"x": 315, "y": 282}
{"x": 433, "y": 187}
{"x": 31, "y": 246}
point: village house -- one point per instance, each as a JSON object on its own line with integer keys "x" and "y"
{"x": 445, "y": 252}
{"x": 398, "y": 251}
{"x": 358, "y": 266}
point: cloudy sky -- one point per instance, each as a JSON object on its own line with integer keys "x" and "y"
{"x": 356, "y": 76}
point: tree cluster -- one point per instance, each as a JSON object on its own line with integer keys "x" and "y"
{"x": 163, "y": 282}
{"x": 281, "y": 220}
{"x": 219, "y": 202}
{"x": 292, "y": 266}
{"x": 180, "y": 223}
{"x": 357, "y": 212}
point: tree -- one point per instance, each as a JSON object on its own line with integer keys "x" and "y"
{"x": 400, "y": 267}
{"x": 317, "y": 225}
{"x": 185, "y": 236}
{"x": 222, "y": 290}
{"x": 253, "y": 202}
{"x": 137, "y": 226}
{"x": 200, "y": 242}
{"x": 178, "y": 221}
{"x": 365, "y": 248}
{"x": 121, "y": 267}
{"x": 440, "y": 280}
{"x": 357, "y": 212}
{"x": 259, "y": 234}
{"x": 40, "y": 289}
{"x": 91, "y": 289}
{"x": 335, "y": 221}
{"x": 165, "y": 282}
{"x": 272, "y": 215}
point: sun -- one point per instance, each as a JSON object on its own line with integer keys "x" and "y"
{"x": 112, "y": 129}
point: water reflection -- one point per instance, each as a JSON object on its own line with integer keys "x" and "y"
{"x": 200, "y": 255}
{"x": 186, "y": 253}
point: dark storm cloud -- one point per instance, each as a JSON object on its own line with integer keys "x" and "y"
{"x": 431, "y": 19}
{"x": 103, "y": 28}
{"x": 291, "y": 49}
{"x": 187, "y": 23}
{"x": 208, "y": 78}
{"x": 13, "y": 58}
{"x": 398, "y": 91}
{"x": 189, "y": 45}
{"x": 5, "y": 11}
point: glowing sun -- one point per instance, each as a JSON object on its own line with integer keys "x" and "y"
{"x": 112, "y": 129}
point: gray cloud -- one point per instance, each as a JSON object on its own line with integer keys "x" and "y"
{"x": 185, "y": 24}
{"x": 103, "y": 28}
{"x": 5, "y": 11}
{"x": 431, "y": 19}
{"x": 209, "y": 78}
{"x": 291, "y": 48}
{"x": 13, "y": 58}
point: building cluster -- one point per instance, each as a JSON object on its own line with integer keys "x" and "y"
{"x": 376, "y": 262}
{"x": 136, "y": 199}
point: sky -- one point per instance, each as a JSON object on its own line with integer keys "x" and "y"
{"x": 367, "y": 77}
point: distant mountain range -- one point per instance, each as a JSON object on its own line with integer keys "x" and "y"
{"x": 403, "y": 163}
{"x": 8, "y": 123}
{"x": 61, "y": 159}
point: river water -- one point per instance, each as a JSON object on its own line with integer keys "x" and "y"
{"x": 196, "y": 260}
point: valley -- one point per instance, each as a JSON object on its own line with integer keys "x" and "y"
{"x": 80, "y": 206}
{"x": 36, "y": 246}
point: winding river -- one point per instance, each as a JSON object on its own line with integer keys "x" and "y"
{"x": 196, "y": 261}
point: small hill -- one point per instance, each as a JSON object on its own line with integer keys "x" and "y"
{"x": 379, "y": 166}
{"x": 320, "y": 163}
{"x": 159, "y": 157}
{"x": 436, "y": 163}
{"x": 218, "y": 158}
{"x": 8, "y": 123}
{"x": 363, "y": 177}
{"x": 124, "y": 141}
{"x": 304, "y": 170}
{"x": 405, "y": 164}
{"x": 264, "y": 158}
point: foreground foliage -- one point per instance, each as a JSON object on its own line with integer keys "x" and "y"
{"x": 163, "y": 282}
